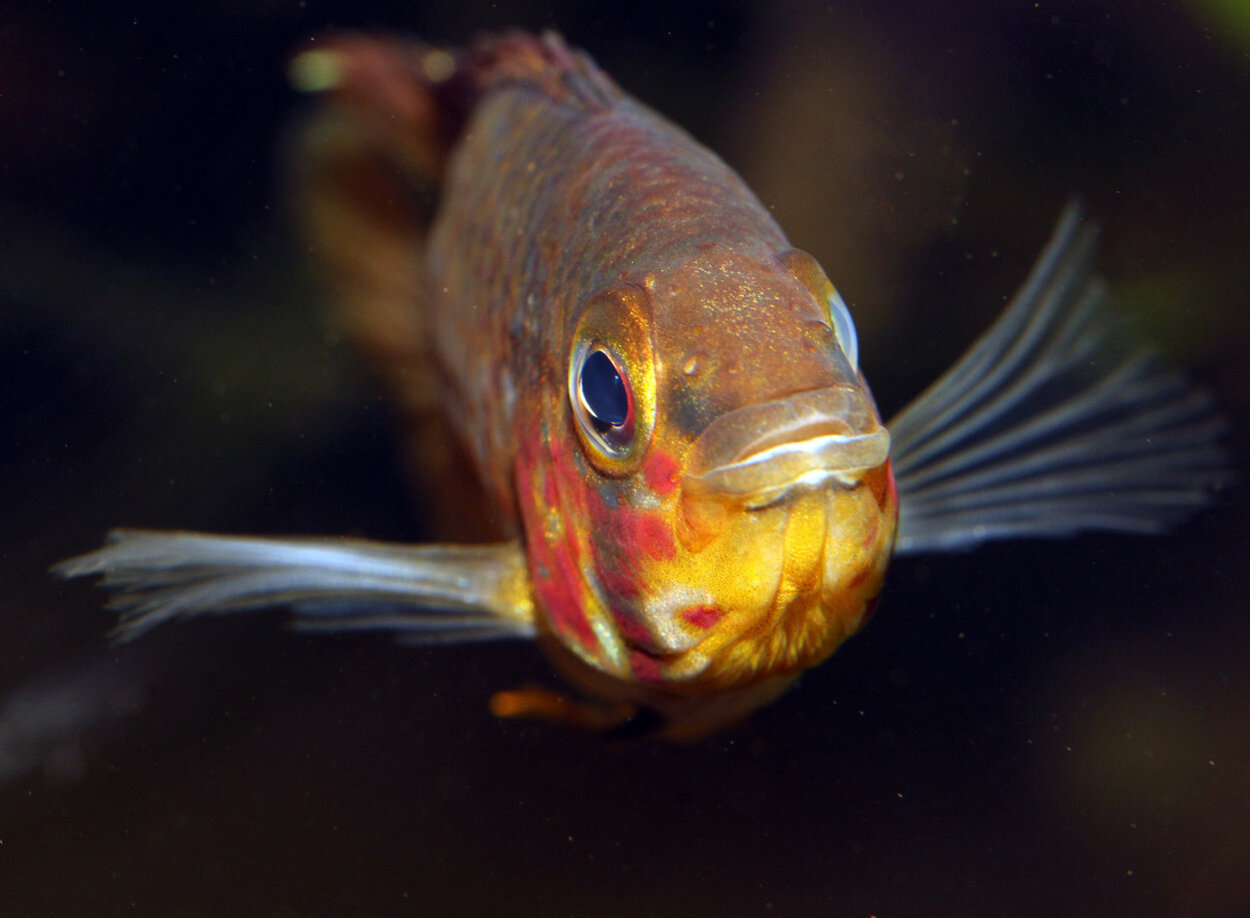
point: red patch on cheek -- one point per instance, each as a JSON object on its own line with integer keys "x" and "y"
{"x": 661, "y": 473}
{"x": 703, "y": 616}
{"x": 558, "y": 584}
{"x": 647, "y": 534}
{"x": 646, "y": 668}
{"x": 632, "y": 630}
{"x": 550, "y": 495}
{"x": 615, "y": 579}
{"x": 624, "y": 538}
{"x": 615, "y": 570}
{"x": 564, "y": 485}
{"x": 562, "y": 596}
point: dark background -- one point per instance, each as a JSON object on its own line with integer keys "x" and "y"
{"x": 1030, "y": 729}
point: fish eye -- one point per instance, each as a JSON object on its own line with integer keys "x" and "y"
{"x": 603, "y": 401}
{"x": 611, "y": 379}
{"x": 812, "y": 276}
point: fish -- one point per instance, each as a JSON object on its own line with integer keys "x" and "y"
{"x": 675, "y": 478}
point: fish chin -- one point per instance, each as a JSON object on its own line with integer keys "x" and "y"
{"x": 788, "y": 582}
{"x": 770, "y": 453}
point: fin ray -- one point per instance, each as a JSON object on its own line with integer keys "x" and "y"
{"x": 1052, "y": 424}
{"x": 431, "y": 591}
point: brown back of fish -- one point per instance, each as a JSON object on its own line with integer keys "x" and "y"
{"x": 468, "y": 206}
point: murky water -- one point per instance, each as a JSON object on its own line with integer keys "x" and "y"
{"x": 1029, "y": 729}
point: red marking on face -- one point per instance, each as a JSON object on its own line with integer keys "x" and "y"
{"x": 617, "y": 572}
{"x": 555, "y": 567}
{"x": 617, "y": 580}
{"x": 704, "y": 616}
{"x": 564, "y": 594}
{"x": 634, "y": 631}
{"x": 551, "y": 496}
{"x": 622, "y": 539}
{"x": 645, "y": 533}
{"x": 661, "y": 472}
{"x": 562, "y": 473}
{"x": 646, "y": 668}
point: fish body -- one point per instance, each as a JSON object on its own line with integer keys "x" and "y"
{"x": 661, "y": 397}
{"x": 575, "y": 225}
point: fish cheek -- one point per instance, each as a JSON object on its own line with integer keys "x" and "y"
{"x": 584, "y": 545}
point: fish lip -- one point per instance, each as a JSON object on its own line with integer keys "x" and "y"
{"x": 760, "y": 453}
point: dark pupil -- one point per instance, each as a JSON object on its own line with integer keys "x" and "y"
{"x": 603, "y": 392}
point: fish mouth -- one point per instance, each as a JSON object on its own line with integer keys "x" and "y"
{"x": 759, "y": 454}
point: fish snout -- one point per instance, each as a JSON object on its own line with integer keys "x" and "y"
{"x": 757, "y": 455}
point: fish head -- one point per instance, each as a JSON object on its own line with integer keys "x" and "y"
{"x": 720, "y": 510}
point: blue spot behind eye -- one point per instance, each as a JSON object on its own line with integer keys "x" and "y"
{"x": 603, "y": 392}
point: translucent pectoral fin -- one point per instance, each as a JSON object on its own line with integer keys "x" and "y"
{"x": 422, "y": 593}
{"x": 1053, "y": 423}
